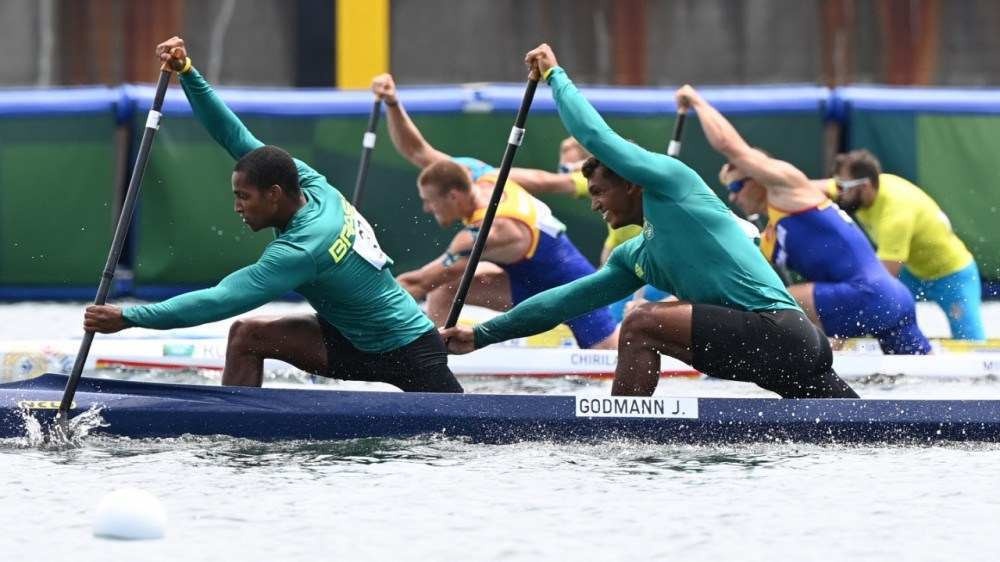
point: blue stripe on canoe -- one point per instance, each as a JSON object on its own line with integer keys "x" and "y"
{"x": 142, "y": 410}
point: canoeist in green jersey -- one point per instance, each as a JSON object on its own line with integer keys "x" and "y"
{"x": 366, "y": 327}
{"x": 734, "y": 319}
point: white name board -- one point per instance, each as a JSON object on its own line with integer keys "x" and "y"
{"x": 636, "y": 407}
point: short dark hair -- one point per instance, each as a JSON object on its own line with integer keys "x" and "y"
{"x": 860, "y": 164}
{"x": 592, "y": 164}
{"x": 267, "y": 166}
{"x": 446, "y": 175}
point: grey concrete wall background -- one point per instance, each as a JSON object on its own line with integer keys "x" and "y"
{"x": 448, "y": 41}
{"x": 257, "y": 40}
{"x": 969, "y": 50}
{"x": 19, "y": 42}
{"x": 719, "y": 42}
{"x": 443, "y": 41}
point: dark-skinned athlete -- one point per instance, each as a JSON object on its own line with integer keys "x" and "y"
{"x": 734, "y": 319}
{"x": 366, "y": 327}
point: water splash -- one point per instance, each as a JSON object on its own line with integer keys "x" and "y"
{"x": 34, "y": 435}
{"x": 80, "y": 426}
{"x": 46, "y": 432}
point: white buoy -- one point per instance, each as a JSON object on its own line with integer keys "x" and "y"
{"x": 130, "y": 514}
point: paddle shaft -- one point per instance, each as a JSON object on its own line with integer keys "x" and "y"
{"x": 367, "y": 147}
{"x": 118, "y": 242}
{"x": 516, "y": 136}
{"x": 674, "y": 148}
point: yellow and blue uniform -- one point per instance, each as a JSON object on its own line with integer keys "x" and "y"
{"x": 854, "y": 294}
{"x": 551, "y": 259}
{"x": 327, "y": 253}
{"x": 909, "y": 227}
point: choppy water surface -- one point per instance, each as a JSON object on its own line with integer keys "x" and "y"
{"x": 439, "y": 499}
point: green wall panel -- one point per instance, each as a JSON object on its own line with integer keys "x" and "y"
{"x": 958, "y": 167}
{"x": 889, "y": 135}
{"x": 56, "y": 188}
{"x": 187, "y": 231}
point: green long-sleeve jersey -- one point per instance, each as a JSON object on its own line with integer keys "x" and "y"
{"x": 690, "y": 245}
{"x": 327, "y": 253}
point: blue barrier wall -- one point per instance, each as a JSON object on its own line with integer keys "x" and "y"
{"x": 61, "y": 160}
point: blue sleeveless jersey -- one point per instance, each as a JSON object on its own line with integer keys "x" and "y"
{"x": 854, "y": 294}
{"x": 821, "y": 244}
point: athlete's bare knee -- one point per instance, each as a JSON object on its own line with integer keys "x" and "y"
{"x": 656, "y": 325}
{"x": 642, "y": 320}
{"x": 637, "y": 329}
{"x": 247, "y": 334}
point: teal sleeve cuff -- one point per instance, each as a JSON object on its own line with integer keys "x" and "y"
{"x": 190, "y": 76}
{"x": 478, "y": 337}
{"x": 553, "y": 72}
{"x": 126, "y": 316}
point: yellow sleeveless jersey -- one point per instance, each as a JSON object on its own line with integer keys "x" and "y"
{"x": 908, "y": 226}
{"x": 516, "y": 203}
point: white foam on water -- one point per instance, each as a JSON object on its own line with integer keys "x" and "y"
{"x": 34, "y": 435}
{"x": 53, "y": 434}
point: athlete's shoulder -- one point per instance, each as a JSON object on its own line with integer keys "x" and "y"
{"x": 310, "y": 179}
{"x": 628, "y": 257}
{"x": 323, "y": 218}
{"x": 618, "y": 236}
{"x": 629, "y": 250}
{"x": 899, "y": 188}
{"x": 287, "y": 252}
{"x": 580, "y": 184}
{"x": 476, "y": 167}
{"x": 898, "y": 197}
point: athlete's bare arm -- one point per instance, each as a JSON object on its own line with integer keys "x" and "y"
{"x": 824, "y": 187}
{"x": 508, "y": 242}
{"x": 787, "y": 187}
{"x": 541, "y": 181}
{"x": 404, "y": 133}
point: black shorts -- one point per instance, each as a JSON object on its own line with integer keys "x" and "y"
{"x": 778, "y": 350}
{"x": 419, "y": 366}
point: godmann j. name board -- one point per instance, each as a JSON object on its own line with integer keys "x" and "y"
{"x": 636, "y": 407}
